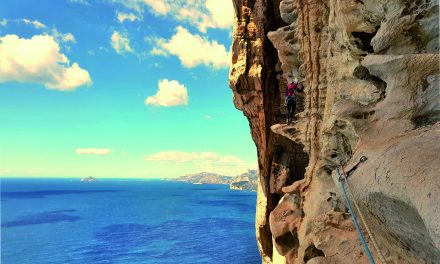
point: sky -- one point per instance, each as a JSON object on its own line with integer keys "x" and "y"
{"x": 118, "y": 88}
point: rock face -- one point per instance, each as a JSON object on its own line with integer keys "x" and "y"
{"x": 371, "y": 72}
{"x": 247, "y": 181}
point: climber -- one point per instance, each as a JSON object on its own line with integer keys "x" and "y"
{"x": 293, "y": 89}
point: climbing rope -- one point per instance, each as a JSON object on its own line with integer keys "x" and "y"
{"x": 353, "y": 217}
{"x": 370, "y": 234}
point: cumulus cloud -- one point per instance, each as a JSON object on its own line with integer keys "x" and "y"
{"x": 183, "y": 44}
{"x": 37, "y": 24}
{"x": 93, "y": 151}
{"x": 159, "y": 7}
{"x": 169, "y": 93}
{"x": 121, "y": 43}
{"x": 39, "y": 60}
{"x": 202, "y": 161}
{"x": 222, "y": 13}
{"x": 181, "y": 156}
{"x": 206, "y": 14}
{"x": 127, "y": 16}
{"x": 202, "y": 14}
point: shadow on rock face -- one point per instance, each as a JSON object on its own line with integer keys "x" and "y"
{"x": 312, "y": 252}
{"x": 404, "y": 226}
{"x": 288, "y": 242}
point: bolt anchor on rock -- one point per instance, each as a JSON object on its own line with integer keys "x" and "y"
{"x": 351, "y": 171}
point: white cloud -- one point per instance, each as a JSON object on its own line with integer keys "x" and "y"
{"x": 121, "y": 43}
{"x": 37, "y": 24}
{"x": 159, "y": 51}
{"x": 68, "y": 38}
{"x": 207, "y": 14}
{"x": 127, "y": 16}
{"x": 82, "y": 2}
{"x": 202, "y": 14}
{"x": 4, "y": 22}
{"x": 39, "y": 60}
{"x": 202, "y": 161}
{"x": 169, "y": 93}
{"x": 222, "y": 13}
{"x": 193, "y": 50}
{"x": 208, "y": 117}
{"x": 159, "y": 6}
{"x": 93, "y": 151}
{"x": 205, "y": 156}
{"x": 58, "y": 36}
{"x": 61, "y": 37}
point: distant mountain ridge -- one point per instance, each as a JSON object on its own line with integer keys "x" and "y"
{"x": 205, "y": 178}
{"x": 247, "y": 181}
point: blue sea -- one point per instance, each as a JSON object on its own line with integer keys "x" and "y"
{"x": 125, "y": 221}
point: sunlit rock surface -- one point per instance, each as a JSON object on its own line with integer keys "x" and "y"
{"x": 370, "y": 70}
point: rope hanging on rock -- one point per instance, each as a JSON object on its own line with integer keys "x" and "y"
{"x": 353, "y": 217}
{"x": 364, "y": 222}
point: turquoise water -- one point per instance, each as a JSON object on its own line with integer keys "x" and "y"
{"x": 132, "y": 221}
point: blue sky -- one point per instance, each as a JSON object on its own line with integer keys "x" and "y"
{"x": 114, "y": 88}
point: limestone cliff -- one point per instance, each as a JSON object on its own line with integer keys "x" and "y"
{"x": 370, "y": 69}
{"x": 247, "y": 181}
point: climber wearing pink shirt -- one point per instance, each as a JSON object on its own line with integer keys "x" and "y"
{"x": 293, "y": 89}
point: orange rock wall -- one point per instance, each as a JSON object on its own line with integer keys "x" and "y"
{"x": 370, "y": 70}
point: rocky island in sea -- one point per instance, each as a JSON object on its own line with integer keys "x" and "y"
{"x": 88, "y": 179}
{"x": 247, "y": 181}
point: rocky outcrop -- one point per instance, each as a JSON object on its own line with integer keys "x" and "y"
{"x": 88, "y": 179}
{"x": 247, "y": 181}
{"x": 371, "y": 72}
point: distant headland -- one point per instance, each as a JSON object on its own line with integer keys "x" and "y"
{"x": 247, "y": 181}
